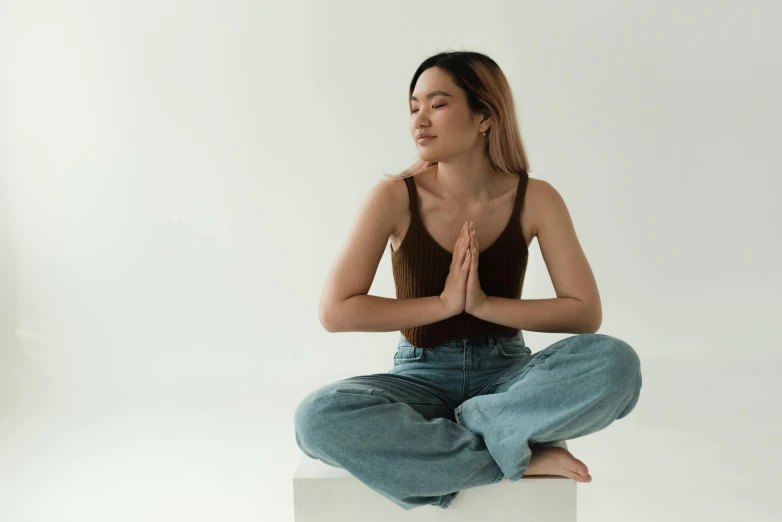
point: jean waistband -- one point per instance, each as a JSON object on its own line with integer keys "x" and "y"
{"x": 459, "y": 345}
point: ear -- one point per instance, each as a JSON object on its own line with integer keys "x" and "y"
{"x": 486, "y": 120}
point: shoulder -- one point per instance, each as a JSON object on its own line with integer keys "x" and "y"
{"x": 541, "y": 200}
{"x": 392, "y": 195}
{"x": 540, "y": 188}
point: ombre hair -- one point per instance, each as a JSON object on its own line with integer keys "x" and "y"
{"x": 488, "y": 90}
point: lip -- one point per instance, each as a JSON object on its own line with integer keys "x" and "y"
{"x": 425, "y": 139}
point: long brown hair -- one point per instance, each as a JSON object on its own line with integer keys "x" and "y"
{"x": 487, "y": 89}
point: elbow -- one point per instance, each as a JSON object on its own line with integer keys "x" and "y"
{"x": 595, "y": 327}
{"x": 593, "y": 318}
{"x": 596, "y": 320}
{"x": 327, "y": 319}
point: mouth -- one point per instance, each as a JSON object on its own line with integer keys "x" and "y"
{"x": 425, "y": 139}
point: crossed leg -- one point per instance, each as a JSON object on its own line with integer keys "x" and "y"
{"x": 574, "y": 387}
{"x": 397, "y": 435}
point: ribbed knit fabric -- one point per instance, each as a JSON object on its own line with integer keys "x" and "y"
{"x": 420, "y": 267}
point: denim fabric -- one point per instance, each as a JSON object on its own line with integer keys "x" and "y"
{"x": 466, "y": 413}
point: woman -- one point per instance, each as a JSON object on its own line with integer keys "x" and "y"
{"x": 466, "y": 403}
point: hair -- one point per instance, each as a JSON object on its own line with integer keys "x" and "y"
{"x": 487, "y": 90}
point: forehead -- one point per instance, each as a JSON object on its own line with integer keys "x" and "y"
{"x": 433, "y": 82}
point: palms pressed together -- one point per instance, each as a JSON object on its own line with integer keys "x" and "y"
{"x": 474, "y": 297}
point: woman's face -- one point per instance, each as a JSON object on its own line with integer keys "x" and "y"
{"x": 444, "y": 115}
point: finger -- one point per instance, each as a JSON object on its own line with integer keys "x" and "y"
{"x": 462, "y": 243}
{"x": 462, "y": 234}
{"x": 457, "y": 247}
{"x": 467, "y": 256}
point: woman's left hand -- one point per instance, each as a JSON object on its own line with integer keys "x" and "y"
{"x": 474, "y": 297}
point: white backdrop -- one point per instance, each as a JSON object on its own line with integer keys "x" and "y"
{"x": 177, "y": 179}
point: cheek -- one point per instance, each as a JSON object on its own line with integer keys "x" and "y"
{"x": 454, "y": 126}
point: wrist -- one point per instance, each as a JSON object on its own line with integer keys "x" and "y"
{"x": 478, "y": 311}
{"x": 445, "y": 310}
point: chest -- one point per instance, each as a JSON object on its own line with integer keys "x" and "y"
{"x": 443, "y": 222}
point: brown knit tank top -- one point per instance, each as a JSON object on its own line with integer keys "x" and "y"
{"x": 420, "y": 266}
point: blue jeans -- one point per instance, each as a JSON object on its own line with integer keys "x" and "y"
{"x": 466, "y": 413}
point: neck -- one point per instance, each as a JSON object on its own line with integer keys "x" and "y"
{"x": 467, "y": 180}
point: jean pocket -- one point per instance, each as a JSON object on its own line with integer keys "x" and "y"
{"x": 512, "y": 349}
{"x": 407, "y": 353}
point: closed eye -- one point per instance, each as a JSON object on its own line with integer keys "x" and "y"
{"x": 433, "y": 106}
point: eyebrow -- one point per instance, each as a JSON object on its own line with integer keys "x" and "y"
{"x": 432, "y": 95}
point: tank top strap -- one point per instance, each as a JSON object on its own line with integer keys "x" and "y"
{"x": 519, "y": 202}
{"x": 413, "y": 195}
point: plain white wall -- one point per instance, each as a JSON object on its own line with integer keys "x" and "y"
{"x": 178, "y": 177}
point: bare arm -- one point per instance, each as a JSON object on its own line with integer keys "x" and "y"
{"x": 345, "y": 305}
{"x": 371, "y": 313}
{"x": 555, "y": 315}
{"x": 577, "y": 308}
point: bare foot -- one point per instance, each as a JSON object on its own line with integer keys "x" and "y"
{"x": 557, "y": 461}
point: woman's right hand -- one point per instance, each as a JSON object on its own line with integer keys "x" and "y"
{"x": 453, "y": 295}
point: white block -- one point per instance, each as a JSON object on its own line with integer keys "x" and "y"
{"x": 323, "y": 493}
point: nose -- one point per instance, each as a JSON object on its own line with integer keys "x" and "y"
{"x": 419, "y": 120}
{"x": 421, "y": 126}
